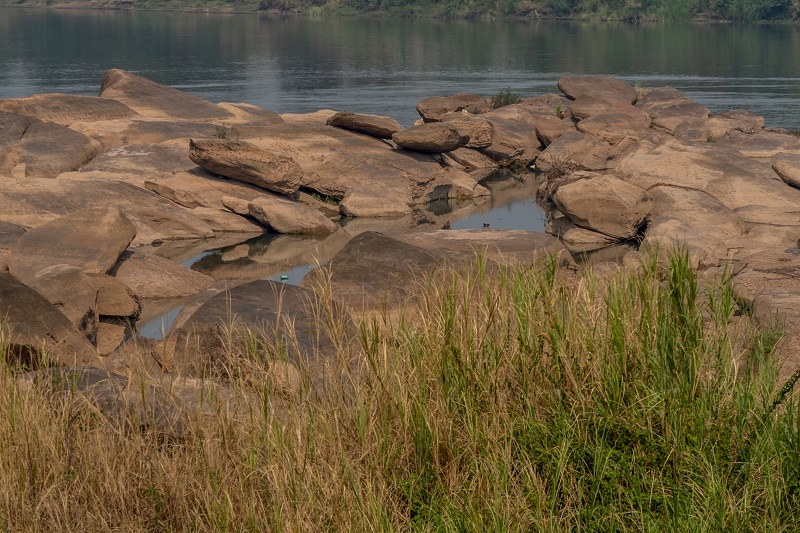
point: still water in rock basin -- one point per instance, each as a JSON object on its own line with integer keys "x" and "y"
{"x": 369, "y": 65}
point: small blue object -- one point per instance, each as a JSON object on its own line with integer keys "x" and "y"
{"x": 284, "y": 277}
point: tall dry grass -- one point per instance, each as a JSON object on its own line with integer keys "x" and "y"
{"x": 504, "y": 400}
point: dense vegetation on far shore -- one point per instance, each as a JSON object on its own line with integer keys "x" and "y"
{"x": 628, "y": 10}
{"x": 506, "y": 400}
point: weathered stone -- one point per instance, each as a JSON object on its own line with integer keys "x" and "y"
{"x": 471, "y": 159}
{"x": 606, "y": 204}
{"x": 374, "y": 271}
{"x": 200, "y": 188}
{"x": 613, "y": 128}
{"x": 224, "y": 221}
{"x": 36, "y": 332}
{"x": 110, "y": 336}
{"x": 113, "y": 133}
{"x": 478, "y": 129}
{"x": 550, "y": 128}
{"x": 587, "y": 106}
{"x": 245, "y": 162}
{"x": 576, "y": 238}
{"x": 251, "y": 113}
{"x": 285, "y": 216}
{"x": 33, "y": 202}
{"x": 669, "y": 107}
{"x": 114, "y": 298}
{"x": 336, "y": 161}
{"x": 286, "y": 316}
{"x": 787, "y": 166}
{"x": 64, "y": 109}
{"x": 502, "y": 246}
{"x": 433, "y": 137}
{"x": 373, "y": 125}
{"x": 136, "y": 163}
{"x": 514, "y": 139}
{"x": 598, "y": 86}
{"x": 47, "y": 149}
{"x": 151, "y": 99}
{"x": 12, "y": 128}
{"x": 372, "y": 203}
{"x": 432, "y": 109}
{"x": 318, "y": 118}
{"x": 547, "y": 104}
{"x": 575, "y": 150}
{"x": 765, "y": 144}
{"x": 9, "y": 235}
{"x": 91, "y": 239}
{"x": 149, "y": 276}
{"x": 72, "y": 292}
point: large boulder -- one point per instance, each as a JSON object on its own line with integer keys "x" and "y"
{"x": 33, "y": 202}
{"x": 436, "y": 137}
{"x": 432, "y": 109}
{"x": 787, "y": 166}
{"x": 373, "y": 125}
{"x": 285, "y": 216}
{"x": 372, "y": 203}
{"x": 92, "y": 240}
{"x": 375, "y": 272}
{"x": 575, "y": 151}
{"x": 72, "y": 292}
{"x": 478, "y": 129}
{"x": 286, "y": 322}
{"x": 577, "y": 239}
{"x": 613, "y": 128}
{"x": 245, "y": 162}
{"x": 335, "y": 161}
{"x": 600, "y": 86}
{"x": 605, "y": 203}
{"x": 587, "y": 106}
{"x": 200, "y": 188}
{"x": 64, "y": 109}
{"x": 514, "y": 139}
{"x": 47, "y": 149}
{"x": 669, "y": 107}
{"x": 151, "y": 277}
{"x": 154, "y": 100}
{"x": 36, "y": 333}
{"x": 550, "y": 127}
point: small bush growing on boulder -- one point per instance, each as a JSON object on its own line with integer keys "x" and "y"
{"x": 504, "y": 98}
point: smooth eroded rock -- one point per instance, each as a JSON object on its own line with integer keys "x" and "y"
{"x": 598, "y": 86}
{"x": 376, "y": 126}
{"x": 65, "y": 109}
{"x": 432, "y": 109}
{"x": 435, "y": 137}
{"x": 285, "y": 216}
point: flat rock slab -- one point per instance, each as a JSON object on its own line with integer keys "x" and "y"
{"x": 154, "y": 100}
{"x": 65, "y": 109}
{"x": 372, "y": 203}
{"x": 119, "y": 132}
{"x": 290, "y": 319}
{"x": 502, "y": 246}
{"x": 575, "y": 151}
{"x": 33, "y": 202}
{"x": 613, "y": 128}
{"x": 135, "y": 163}
{"x": 435, "y": 137}
{"x": 787, "y": 166}
{"x": 37, "y": 330}
{"x": 250, "y": 113}
{"x": 152, "y": 277}
{"x": 587, "y": 106}
{"x": 599, "y": 86}
{"x": 764, "y": 144}
{"x": 374, "y": 272}
{"x": 245, "y": 162}
{"x": 376, "y": 126}
{"x": 47, "y": 149}
{"x": 605, "y": 204}
{"x": 200, "y": 188}
{"x": 285, "y": 216}
{"x": 432, "y": 109}
{"x": 91, "y": 239}
{"x": 669, "y": 107}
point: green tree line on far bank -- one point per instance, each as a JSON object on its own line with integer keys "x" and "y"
{"x": 629, "y": 10}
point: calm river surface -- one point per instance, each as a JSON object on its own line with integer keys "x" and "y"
{"x": 293, "y": 64}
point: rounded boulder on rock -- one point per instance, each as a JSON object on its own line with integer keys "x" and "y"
{"x": 604, "y": 203}
{"x": 432, "y": 109}
{"x": 435, "y": 137}
{"x": 245, "y": 162}
{"x": 376, "y": 126}
{"x": 599, "y": 86}
{"x": 285, "y": 216}
{"x": 787, "y": 166}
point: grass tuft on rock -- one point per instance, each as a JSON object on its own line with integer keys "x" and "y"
{"x": 504, "y": 399}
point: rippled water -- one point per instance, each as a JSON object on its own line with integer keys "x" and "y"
{"x": 292, "y": 64}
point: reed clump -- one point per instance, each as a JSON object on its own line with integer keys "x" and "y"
{"x": 504, "y": 400}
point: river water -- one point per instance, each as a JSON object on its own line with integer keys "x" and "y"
{"x": 370, "y": 65}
